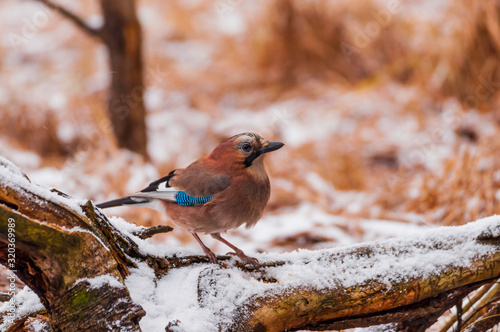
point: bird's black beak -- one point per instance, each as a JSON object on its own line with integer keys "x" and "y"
{"x": 271, "y": 147}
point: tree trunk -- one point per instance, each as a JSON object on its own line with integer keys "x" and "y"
{"x": 122, "y": 35}
{"x": 76, "y": 261}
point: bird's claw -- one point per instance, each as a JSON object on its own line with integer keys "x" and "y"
{"x": 245, "y": 258}
{"x": 211, "y": 257}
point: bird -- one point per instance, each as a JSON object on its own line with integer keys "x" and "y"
{"x": 224, "y": 190}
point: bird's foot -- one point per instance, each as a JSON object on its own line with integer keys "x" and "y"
{"x": 245, "y": 258}
{"x": 211, "y": 256}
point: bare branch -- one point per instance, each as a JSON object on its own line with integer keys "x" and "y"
{"x": 79, "y": 22}
{"x": 147, "y": 232}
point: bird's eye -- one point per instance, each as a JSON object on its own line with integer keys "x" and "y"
{"x": 246, "y": 147}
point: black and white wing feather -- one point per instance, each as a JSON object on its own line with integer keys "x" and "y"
{"x": 184, "y": 188}
{"x": 157, "y": 190}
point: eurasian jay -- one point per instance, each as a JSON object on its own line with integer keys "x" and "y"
{"x": 221, "y": 191}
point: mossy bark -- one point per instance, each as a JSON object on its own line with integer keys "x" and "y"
{"x": 55, "y": 250}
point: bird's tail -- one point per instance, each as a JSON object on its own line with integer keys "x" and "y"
{"x": 129, "y": 200}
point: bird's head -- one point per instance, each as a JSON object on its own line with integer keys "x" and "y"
{"x": 244, "y": 149}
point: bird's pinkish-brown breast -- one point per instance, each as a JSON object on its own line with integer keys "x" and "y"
{"x": 243, "y": 201}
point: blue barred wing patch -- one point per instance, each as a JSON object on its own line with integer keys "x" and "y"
{"x": 184, "y": 199}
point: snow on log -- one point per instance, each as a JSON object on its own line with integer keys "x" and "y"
{"x": 91, "y": 272}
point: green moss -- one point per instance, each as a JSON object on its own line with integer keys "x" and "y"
{"x": 82, "y": 299}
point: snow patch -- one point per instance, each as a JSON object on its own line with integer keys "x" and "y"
{"x": 26, "y": 302}
{"x": 100, "y": 281}
{"x": 11, "y": 175}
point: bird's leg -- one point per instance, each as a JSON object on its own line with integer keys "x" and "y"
{"x": 206, "y": 250}
{"x": 238, "y": 251}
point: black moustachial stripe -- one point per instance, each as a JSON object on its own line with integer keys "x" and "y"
{"x": 249, "y": 160}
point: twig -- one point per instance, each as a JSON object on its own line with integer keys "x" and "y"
{"x": 79, "y": 22}
{"x": 146, "y": 233}
{"x": 487, "y": 321}
{"x": 488, "y": 300}
{"x": 459, "y": 315}
{"x": 4, "y": 297}
{"x": 467, "y": 306}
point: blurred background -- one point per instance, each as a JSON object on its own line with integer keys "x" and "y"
{"x": 389, "y": 109}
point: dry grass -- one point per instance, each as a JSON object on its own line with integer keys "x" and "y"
{"x": 339, "y": 163}
{"x": 343, "y": 41}
{"x": 466, "y": 190}
{"x": 292, "y": 42}
{"x": 36, "y": 132}
{"x": 473, "y": 60}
